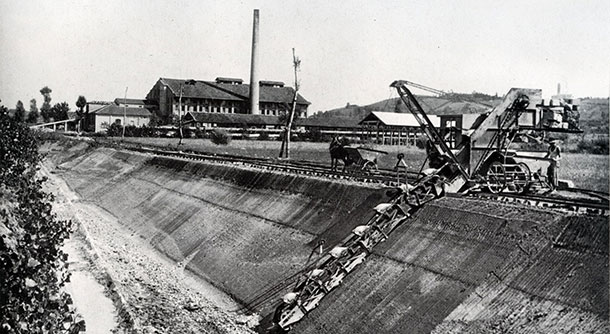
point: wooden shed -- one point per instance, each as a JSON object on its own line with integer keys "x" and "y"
{"x": 391, "y": 128}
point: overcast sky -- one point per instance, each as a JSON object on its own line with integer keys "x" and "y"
{"x": 350, "y": 50}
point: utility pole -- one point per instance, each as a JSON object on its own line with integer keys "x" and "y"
{"x": 296, "y": 62}
{"x": 180, "y": 115}
{"x": 124, "y": 114}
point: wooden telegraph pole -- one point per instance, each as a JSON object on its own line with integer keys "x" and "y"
{"x": 285, "y": 149}
{"x": 124, "y": 114}
{"x": 180, "y": 115}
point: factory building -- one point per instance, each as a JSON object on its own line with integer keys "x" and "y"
{"x": 223, "y": 95}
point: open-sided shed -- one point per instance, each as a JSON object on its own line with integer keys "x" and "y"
{"x": 391, "y": 128}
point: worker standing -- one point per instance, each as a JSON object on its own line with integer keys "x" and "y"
{"x": 554, "y": 154}
{"x": 401, "y": 164}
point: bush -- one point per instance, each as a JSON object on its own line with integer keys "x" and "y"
{"x": 421, "y": 141}
{"x": 96, "y": 134}
{"x": 220, "y": 137}
{"x": 199, "y": 133}
{"x": 315, "y": 135}
{"x": 263, "y": 136}
{"x": 46, "y": 135}
{"x": 114, "y": 130}
{"x": 596, "y": 146}
{"x": 33, "y": 262}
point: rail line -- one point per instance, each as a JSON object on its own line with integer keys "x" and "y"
{"x": 384, "y": 177}
{"x": 597, "y": 206}
{"x": 572, "y": 205}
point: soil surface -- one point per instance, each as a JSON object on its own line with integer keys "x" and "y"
{"x": 459, "y": 266}
{"x": 150, "y": 293}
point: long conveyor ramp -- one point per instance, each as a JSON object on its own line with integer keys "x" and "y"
{"x": 328, "y": 272}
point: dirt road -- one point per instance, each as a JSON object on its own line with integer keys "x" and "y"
{"x": 151, "y": 294}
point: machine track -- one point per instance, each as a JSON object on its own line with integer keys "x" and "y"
{"x": 384, "y": 177}
{"x": 574, "y": 205}
{"x": 597, "y": 204}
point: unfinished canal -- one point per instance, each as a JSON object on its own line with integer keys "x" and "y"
{"x": 459, "y": 266}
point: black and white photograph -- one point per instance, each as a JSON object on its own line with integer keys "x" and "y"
{"x": 332, "y": 167}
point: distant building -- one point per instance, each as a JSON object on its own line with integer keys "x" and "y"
{"x": 224, "y": 95}
{"x": 134, "y": 103}
{"x": 391, "y": 128}
{"x": 112, "y": 113}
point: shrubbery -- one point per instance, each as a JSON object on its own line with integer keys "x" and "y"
{"x": 315, "y": 135}
{"x": 220, "y": 137}
{"x": 199, "y": 133}
{"x": 116, "y": 130}
{"x": 595, "y": 146}
{"x": 263, "y": 136}
{"x": 33, "y": 263}
{"x": 421, "y": 141}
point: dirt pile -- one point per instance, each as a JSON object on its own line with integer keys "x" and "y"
{"x": 459, "y": 266}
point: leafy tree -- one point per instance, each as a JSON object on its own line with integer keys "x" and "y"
{"x": 33, "y": 115}
{"x": 19, "y": 112}
{"x": 60, "y": 111}
{"x": 45, "y": 110}
{"x": 81, "y": 103}
{"x": 33, "y": 263}
{"x": 155, "y": 120}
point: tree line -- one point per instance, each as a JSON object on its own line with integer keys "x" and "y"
{"x": 48, "y": 112}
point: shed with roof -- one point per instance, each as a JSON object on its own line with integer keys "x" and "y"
{"x": 391, "y": 128}
{"x": 122, "y": 115}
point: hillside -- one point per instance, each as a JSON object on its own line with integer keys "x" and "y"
{"x": 593, "y": 111}
{"x": 452, "y": 103}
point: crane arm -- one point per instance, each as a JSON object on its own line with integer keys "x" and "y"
{"x": 425, "y": 123}
{"x": 426, "y": 88}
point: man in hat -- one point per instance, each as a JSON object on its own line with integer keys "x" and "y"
{"x": 554, "y": 154}
{"x": 401, "y": 164}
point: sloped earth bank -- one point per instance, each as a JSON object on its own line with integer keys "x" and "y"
{"x": 151, "y": 293}
{"x": 458, "y": 266}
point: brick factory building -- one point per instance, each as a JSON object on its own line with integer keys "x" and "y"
{"x": 224, "y": 95}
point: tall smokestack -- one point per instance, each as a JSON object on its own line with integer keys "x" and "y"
{"x": 558, "y": 88}
{"x": 254, "y": 86}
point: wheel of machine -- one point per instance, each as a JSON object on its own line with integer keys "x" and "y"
{"x": 496, "y": 180}
{"x": 521, "y": 177}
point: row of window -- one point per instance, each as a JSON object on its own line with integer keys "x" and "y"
{"x": 225, "y": 109}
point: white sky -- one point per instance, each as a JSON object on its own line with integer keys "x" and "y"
{"x": 350, "y": 50}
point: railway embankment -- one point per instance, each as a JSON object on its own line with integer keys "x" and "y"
{"x": 461, "y": 265}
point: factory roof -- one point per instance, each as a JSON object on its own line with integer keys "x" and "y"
{"x": 221, "y": 90}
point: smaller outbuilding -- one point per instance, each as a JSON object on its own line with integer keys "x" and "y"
{"x": 112, "y": 113}
{"x": 391, "y": 128}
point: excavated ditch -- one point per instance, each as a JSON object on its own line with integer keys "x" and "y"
{"x": 460, "y": 265}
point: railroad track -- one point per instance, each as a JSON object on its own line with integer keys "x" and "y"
{"x": 573, "y": 205}
{"x": 383, "y": 177}
{"x": 598, "y": 206}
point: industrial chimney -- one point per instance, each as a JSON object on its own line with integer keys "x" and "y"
{"x": 254, "y": 87}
